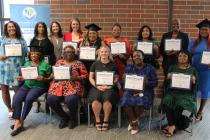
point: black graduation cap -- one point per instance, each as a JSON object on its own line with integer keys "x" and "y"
{"x": 34, "y": 48}
{"x": 93, "y": 27}
{"x": 204, "y": 23}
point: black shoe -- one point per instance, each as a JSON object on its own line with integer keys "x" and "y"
{"x": 12, "y": 126}
{"x": 72, "y": 124}
{"x": 63, "y": 123}
{"x": 17, "y": 131}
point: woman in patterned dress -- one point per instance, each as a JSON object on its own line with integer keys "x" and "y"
{"x": 134, "y": 102}
{"x": 10, "y": 66}
{"x": 68, "y": 91}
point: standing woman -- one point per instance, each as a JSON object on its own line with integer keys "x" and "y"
{"x": 196, "y": 47}
{"x": 146, "y": 35}
{"x": 56, "y": 37}
{"x": 9, "y": 66}
{"x": 75, "y": 34}
{"x": 41, "y": 39}
{"x": 170, "y": 57}
{"x": 119, "y": 59}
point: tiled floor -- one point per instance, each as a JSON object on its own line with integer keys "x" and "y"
{"x": 38, "y": 129}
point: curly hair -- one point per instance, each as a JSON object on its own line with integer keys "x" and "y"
{"x": 18, "y": 33}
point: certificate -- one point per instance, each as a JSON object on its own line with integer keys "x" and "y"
{"x": 118, "y": 48}
{"x": 181, "y": 81}
{"x": 134, "y": 82}
{"x": 29, "y": 72}
{"x": 205, "y": 59}
{"x": 61, "y": 72}
{"x": 104, "y": 78}
{"x": 73, "y": 44}
{"x": 87, "y": 53}
{"x": 146, "y": 47}
{"x": 172, "y": 44}
{"x": 13, "y": 50}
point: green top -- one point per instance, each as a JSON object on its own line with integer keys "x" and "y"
{"x": 178, "y": 97}
{"x": 44, "y": 69}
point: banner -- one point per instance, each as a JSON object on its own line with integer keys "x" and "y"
{"x": 27, "y": 16}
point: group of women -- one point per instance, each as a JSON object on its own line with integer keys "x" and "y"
{"x": 47, "y": 51}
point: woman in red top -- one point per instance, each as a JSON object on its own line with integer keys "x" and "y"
{"x": 75, "y": 34}
{"x": 119, "y": 59}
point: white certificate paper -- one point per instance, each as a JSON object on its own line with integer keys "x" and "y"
{"x": 118, "y": 48}
{"x": 134, "y": 82}
{"x": 104, "y": 78}
{"x": 29, "y": 72}
{"x": 146, "y": 47}
{"x": 182, "y": 81}
{"x": 61, "y": 73}
{"x": 172, "y": 44}
{"x": 13, "y": 50}
{"x": 205, "y": 59}
{"x": 74, "y": 44}
{"x": 87, "y": 53}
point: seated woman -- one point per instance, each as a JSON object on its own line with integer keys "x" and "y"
{"x": 103, "y": 96}
{"x": 68, "y": 91}
{"x": 31, "y": 89}
{"x": 177, "y": 100}
{"x": 134, "y": 102}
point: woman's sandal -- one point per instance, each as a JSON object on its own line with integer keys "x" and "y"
{"x": 170, "y": 132}
{"x": 199, "y": 116}
{"x": 105, "y": 126}
{"x": 98, "y": 126}
{"x": 165, "y": 129}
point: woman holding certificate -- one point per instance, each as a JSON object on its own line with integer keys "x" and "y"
{"x": 12, "y": 55}
{"x": 69, "y": 89}
{"x": 136, "y": 99}
{"x": 36, "y": 76}
{"x": 147, "y": 44}
{"x": 56, "y": 37}
{"x": 197, "y": 48}
{"x": 91, "y": 40}
{"x": 120, "y": 58}
{"x": 179, "y": 102}
{"x": 41, "y": 39}
{"x": 103, "y": 94}
{"x": 172, "y": 42}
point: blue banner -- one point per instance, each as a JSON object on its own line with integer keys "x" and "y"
{"x": 27, "y": 16}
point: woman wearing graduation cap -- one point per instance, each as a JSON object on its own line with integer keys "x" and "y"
{"x": 31, "y": 89}
{"x": 91, "y": 39}
{"x": 197, "y": 47}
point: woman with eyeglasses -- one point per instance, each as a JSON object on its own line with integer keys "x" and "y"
{"x": 69, "y": 91}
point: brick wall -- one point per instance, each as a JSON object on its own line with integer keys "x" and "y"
{"x": 131, "y": 14}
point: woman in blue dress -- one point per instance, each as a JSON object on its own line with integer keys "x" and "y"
{"x": 134, "y": 102}
{"x": 197, "y": 47}
{"x": 9, "y": 66}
